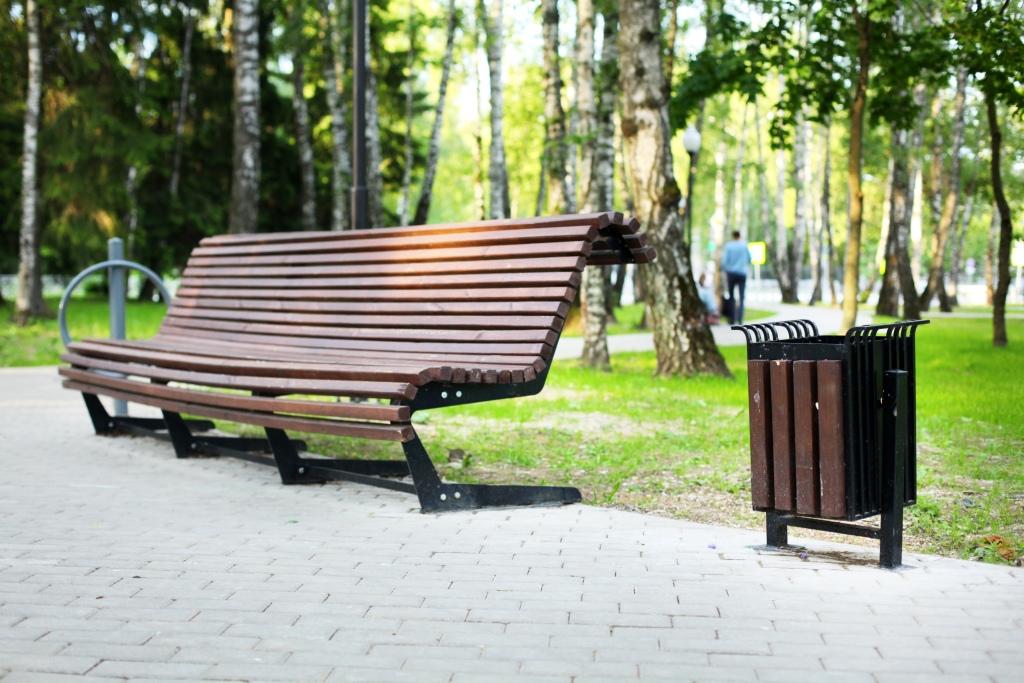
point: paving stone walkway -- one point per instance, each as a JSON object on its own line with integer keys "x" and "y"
{"x": 118, "y": 561}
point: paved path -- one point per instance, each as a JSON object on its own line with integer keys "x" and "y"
{"x": 827, "y": 319}
{"x": 119, "y": 562}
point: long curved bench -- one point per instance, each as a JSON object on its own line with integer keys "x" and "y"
{"x": 350, "y": 333}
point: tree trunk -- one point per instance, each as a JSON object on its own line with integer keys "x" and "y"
{"x": 734, "y": 207}
{"x": 851, "y": 273}
{"x": 245, "y": 181}
{"x": 179, "y": 127}
{"x": 497, "y": 172}
{"x": 593, "y": 289}
{"x": 796, "y": 254}
{"x": 682, "y": 339}
{"x": 826, "y": 214}
{"x": 374, "y": 157}
{"x": 607, "y": 79}
{"x": 304, "y": 141}
{"x": 817, "y": 248}
{"x": 883, "y": 250}
{"x": 718, "y": 217}
{"x": 956, "y": 254}
{"x": 131, "y": 181}
{"x": 1005, "y": 226}
{"x": 936, "y": 275}
{"x": 410, "y": 63}
{"x": 29, "y": 303}
{"x": 478, "y": 139}
{"x": 990, "y": 256}
{"x": 423, "y": 207}
{"x": 559, "y": 200}
{"x": 334, "y": 79}
{"x": 762, "y": 181}
{"x": 780, "y": 246}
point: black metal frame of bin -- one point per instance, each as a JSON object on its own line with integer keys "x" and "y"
{"x": 880, "y": 425}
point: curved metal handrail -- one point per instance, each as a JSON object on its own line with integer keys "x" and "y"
{"x": 113, "y": 263}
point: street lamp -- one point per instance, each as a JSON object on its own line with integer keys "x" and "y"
{"x": 691, "y": 143}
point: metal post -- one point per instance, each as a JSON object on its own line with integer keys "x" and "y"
{"x": 359, "y": 80}
{"x": 894, "y": 467}
{"x": 117, "y": 283}
{"x": 689, "y": 206}
{"x": 777, "y": 533}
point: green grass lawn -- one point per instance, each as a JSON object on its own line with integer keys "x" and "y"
{"x": 39, "y": 343}
{"x": 680, "y": 447}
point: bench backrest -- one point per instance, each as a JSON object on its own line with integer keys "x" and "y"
{"x": 490, "y": 292}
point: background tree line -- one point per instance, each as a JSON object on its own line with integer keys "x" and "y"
{"x": 835, "y": 131}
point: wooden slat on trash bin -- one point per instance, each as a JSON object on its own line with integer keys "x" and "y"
{"x": 830, "y": 438}
{"x": 805, "y": 424}
{"x": 783, "y": 459}
{"x": 762, "y": 495}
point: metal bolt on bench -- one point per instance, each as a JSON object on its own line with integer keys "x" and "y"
{"x": 833, "y": 429}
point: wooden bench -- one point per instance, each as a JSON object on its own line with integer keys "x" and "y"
{"x": 349, "y": 334}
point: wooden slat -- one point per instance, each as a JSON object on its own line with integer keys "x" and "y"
{"x": 231, "y": 343}
{"x": 359, "y": 411}
{"x": 782, "y": 434}
{"x": 761, "y": 468}
{"x": 607, "y": 258}
{"x": 832, "y": 439}
{"x": 597, "y": 220}
{"x": 522, "y": 265}
{"x": 251, "y": 368}
{"x": 805, "y": 425}
{"x": 382, "y": 334}
{"x": 502, "y": 294}
{"x": 276, "y": 385}
{"x": 460, "y": 355}
{"x": 363, "y": 430}
{"x": 387, "y": 240}
{"x": 431, "y": 309}
{"x": 507, "y": 251}
{"x": 483, "y": 280}
{"x": 422, "y": 320}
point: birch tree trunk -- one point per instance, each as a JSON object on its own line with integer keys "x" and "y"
{"x": 245, "y": 181}
{"x": 334, "y": 79}
{"x": 899, "y": 216}
{"x": 29, "y": 303}
{"x": 936, "y": 274}
{"x": 478, "y": 140}
{"x": 410, "y": 62}
{"x": 374, "y": 157}
{"x": 882, "y": 251}
{"x": 826, "y": 214}
{"x": 956, "y": 252}
{"x": 718, "y": 218}
{"x": 423, "y": 206}
{"x": 780, "y": 244}
{"x": 132, "y": 176}
{"x": 559, "y": 200}
{"x": 497, "y": 173}
{"x": 816, "y": 250}
{"x": 304, "y": 141}
{"x": 851, "y": 271}
{"x": 990, "y": 256}
{"x": 761, "y": 179}
{"x": 796, "y": 255}
{"x": 593, "y": 290}
{"x": 682, "y": 339}
{"x": 604, "y": 160}
{"x": 179, "y": 126}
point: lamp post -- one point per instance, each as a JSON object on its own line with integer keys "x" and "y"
{"x": 691, "y": 143}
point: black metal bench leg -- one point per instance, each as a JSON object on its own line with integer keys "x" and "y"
{"x": 185, "y": 444}
{"x": 437, "y": 496}
{"x": 292, "y": 468}
{"x": 894, "y": 467}
{"x": 101, "y": 420}
{"x": 777, "y": 533}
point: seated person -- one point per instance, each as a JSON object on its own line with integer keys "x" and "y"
{"x": 707, "y": 297}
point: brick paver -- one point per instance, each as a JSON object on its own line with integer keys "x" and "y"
{"x": 119, "y": 562}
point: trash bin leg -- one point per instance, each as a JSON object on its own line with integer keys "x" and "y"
{"x": 778, "y": 533}
{"x": 894, "y": 467}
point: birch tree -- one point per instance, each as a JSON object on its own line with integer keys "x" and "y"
{"x": 423, "y": 206}
{"x": 334, "y": 79}
{"x": 593, "y": 290}
{"x": 410, "y": 62}
{"x": 303, "y": 134}
{"x": 559, "y": 199}
{"x": 179, "y": 126}
{"x": 245, "y": 181}
{"x": 497, "y": 172}
{"x": 29, "y": 303}
{"x": 682, "y": 339}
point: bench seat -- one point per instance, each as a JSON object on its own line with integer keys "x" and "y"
{"x": 350, "y": 333}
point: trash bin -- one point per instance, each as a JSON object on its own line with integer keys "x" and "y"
{"x": 833, "y": 428}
